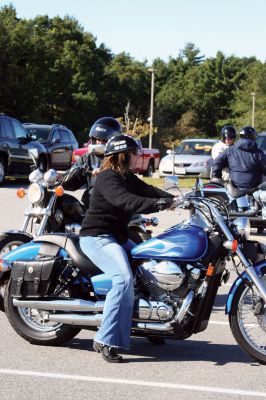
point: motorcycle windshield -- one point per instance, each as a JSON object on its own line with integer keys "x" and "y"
{"x": 182, "y": 243}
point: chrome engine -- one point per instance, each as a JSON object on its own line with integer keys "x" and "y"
{"x": 163, "y": 288}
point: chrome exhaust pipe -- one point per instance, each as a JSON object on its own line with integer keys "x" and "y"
{"x": 77, "y": 305}
{"x": 76, "y": 319}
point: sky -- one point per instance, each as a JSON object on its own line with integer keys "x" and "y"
{"x": 148, "y": 29}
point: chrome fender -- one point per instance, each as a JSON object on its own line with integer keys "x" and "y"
{"x": 258, "y": 268}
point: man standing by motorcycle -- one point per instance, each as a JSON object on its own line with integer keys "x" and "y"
{"x": 101, "y": 131}
{"x": 104, "y": 237}
{"x": 246, "y": 162}
{"x": 227, "y": 138}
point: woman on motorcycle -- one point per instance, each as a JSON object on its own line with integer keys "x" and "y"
{"x": 117, "y": 195}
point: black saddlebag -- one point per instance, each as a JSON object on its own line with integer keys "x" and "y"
{"x": 35, "y": 278}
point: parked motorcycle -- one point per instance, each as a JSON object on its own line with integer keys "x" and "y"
{"x": 52, "y": 210}
{"x": 227, "y": 193}
{"x": 53, "y": 290}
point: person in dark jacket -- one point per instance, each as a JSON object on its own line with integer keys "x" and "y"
{"x": 101, "y": 131}
{"x": 117, "y": 194}
{"x": 246, "y": 162}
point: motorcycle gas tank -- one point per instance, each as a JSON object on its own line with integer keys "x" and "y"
{"x": 72, "y": 209}
{"x": 182, "y": 242}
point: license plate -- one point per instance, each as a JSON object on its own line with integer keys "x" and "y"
{"x": 180, "y": 170}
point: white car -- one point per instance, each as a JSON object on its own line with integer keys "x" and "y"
{"x": 191, "y": 157}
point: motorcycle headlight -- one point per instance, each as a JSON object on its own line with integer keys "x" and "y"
{"x": 36, "y": 176}
{"x": 243, "y": 226}
{"x": 35, "y": 193}
{"x": 50, "y": 177}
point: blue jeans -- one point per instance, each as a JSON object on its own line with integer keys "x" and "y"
{"x": 108, "y": 255}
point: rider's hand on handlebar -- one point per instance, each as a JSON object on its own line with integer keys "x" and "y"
{"x": 166, "y": 204}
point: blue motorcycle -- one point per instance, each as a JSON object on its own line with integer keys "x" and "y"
{"x": 52, "y": 290}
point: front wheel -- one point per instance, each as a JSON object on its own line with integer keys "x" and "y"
{"x": 248, "y": 321}
{"x": 9, "y": 241}
{"x": 32, "y": 325}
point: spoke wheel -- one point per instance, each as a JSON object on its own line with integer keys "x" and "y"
{"x": 33, "y": 325}
{"x": 248, "y": 321}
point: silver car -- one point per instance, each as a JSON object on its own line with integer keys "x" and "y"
{"x": 191, "y": 157}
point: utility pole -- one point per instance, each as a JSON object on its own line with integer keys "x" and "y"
{"x": 152, "y": 70}
{"x": 253, "y": 94}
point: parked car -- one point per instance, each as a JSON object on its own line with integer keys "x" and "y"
{"x": 58, "y": 140}
{"x": 191, "y": 157}
{"x": 145, "y": 162}
{"x": 15, "y": 144}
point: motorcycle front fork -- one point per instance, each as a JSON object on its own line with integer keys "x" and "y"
{"x": 38, "y": 212}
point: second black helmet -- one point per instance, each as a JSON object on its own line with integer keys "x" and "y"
{"x": 120, "y": 144}
{"x": 228, "y": 132}
{"x": 104, "y": 128}
{"x": 247, "y": 132}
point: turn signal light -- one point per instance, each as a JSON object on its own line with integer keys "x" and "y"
{"x": 210, "y": 270}
{"x": 59, "y": 191}
{"x": 231, "y": 245}
{"x": 21, "y": 193}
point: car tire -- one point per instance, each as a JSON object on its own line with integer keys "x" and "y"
{"x": 2, "y": 170}
{"x": 149, "y": 171}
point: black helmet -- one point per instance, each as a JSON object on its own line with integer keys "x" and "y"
{"x": 120, "y": 144}
{"x": 228, "y": 132}
{"x": 248, "y": 132}
{"x": 104, "y": 128}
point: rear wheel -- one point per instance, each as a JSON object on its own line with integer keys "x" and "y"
{"x": 8, "y": 242}
{"x": 248, "y": 321}
{"x": 32, "y": 325}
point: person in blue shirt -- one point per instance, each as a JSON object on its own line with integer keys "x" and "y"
{"x": 246, "y": 162}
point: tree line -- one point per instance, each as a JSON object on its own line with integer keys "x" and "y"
{"x": 52, "y": 71}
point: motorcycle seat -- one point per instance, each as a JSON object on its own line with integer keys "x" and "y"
{"x": 70, "y": 242}
{"x": 235, "y": 192}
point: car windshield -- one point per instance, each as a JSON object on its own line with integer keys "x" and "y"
{"x": 39, "y": 134}
{"x": 195, "y": 148}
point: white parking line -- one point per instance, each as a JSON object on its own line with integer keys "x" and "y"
{"x": 166, "y": 385}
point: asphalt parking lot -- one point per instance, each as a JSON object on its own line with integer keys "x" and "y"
{"x": 209, "y": 365}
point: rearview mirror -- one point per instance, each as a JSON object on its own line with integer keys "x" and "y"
{"x": 170, "y": 182}
{"x": 169, "y": 152}
{"x": 23, "y": 140}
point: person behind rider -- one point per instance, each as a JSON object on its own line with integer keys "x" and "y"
{"x": 104, "y": 238}
{"x": 227, "y": 138}
{"x": 246, "y": 162}
{"x": 101, "y": 131}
